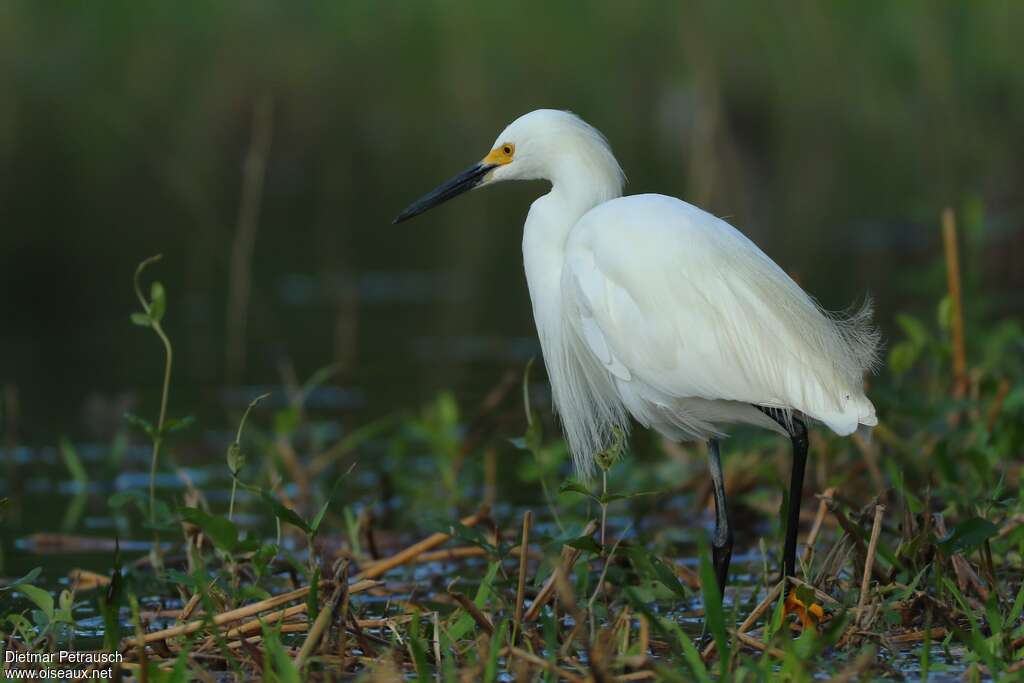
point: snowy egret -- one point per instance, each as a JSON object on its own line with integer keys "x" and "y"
{"x": 648, "y": 306}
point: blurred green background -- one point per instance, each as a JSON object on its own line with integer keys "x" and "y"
{"x": 831, "y": 133}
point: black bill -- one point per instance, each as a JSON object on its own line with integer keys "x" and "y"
{"x": 465, "y": 181}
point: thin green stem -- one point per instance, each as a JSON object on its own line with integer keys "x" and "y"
{"x": 158, "y": 440}
{"x": 158, "y": 437}
{"x": 604, "y": 506}
{"x": 235, "y": 458}
{"x": 231, "y": 504}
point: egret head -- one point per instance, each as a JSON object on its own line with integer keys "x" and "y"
{"x": 544, "y": 144}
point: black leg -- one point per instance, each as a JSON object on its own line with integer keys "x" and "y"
{"x": 721, "y": 542}
{"x": 798, "y": 436}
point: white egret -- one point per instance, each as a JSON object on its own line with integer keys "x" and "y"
{"x": 648, "y": 306}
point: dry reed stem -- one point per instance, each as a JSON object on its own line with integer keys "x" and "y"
{"x": 569, "y": 557}
{"x": 85, "y": 580}
{"x": 323, "y": 620}
{"x": 190, "y": 607}
{"x": 416, "y": 549}
{"x": 240, "y": 268}
{"x": 243, "y": 612}
{"x": 543, "y": 663}
{"x": 256, "y": 624}
{"x": 752, "y": 618}
{"x": 955, "y": 299}
{"x": 437, "y": 638}
{"x": 865, "y": 583}
{"x": 521, "y": 585}
{"x": 812, "y": 537}
{"x": 470, "y": 607}
{"x": 854, "y": 532}
{"x": 751, "y": 641}
{"x": 644, "y": 637}
{"x": 917, "y": 636}
{"x": 293, "y": 627}
{"x": 460, "y": 553}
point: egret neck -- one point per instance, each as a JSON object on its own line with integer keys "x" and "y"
{"x": 578, "y": 184}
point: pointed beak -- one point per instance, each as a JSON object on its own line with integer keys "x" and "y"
{"x": 463, "y": 182}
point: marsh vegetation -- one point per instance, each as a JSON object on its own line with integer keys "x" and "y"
{"x": 300, "y": 447}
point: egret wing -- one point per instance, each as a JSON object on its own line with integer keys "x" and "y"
{"x": 665, "y": 294}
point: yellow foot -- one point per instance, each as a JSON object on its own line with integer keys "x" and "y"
{"x": 810, "y": 615}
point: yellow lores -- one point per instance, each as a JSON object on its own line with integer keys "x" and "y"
{"x": 500, "y": 155}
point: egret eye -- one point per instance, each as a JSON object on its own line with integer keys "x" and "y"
{"x": 507, "y": 149}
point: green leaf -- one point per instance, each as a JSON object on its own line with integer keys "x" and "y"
{"x": 667, "y": 577}
{"x": 534, "y": 437}
{"x": 586, "y": 543}
{"x": 279, "y": 661}
{"x": 613, "y": 453}
{"x": 945, "y": 313}
{"x": 497, "y": 642}
{"x": 286, "y": 421}
{"x": 142, "y": 423}
{"x": 178, "y": 424}
{"x": 778, "y": 617}
{"x": 313, "y": 597}
{"x": 195, "y": 583}
{"x": 693, "y": 656}
{"x": 913, "y": 328}
{"x": 1018, "y": 607}
{"x": 285, "y": 514}
{"x": 157, "y": 301}
{"x": 713, "y": 611}
{"x": 465, "y": 623}
{"x": 63, "y": 612}
{"x": 179, "y": 673}
{"x": 570, "y": 486}
{"x": 110, "y": 602}
{"x": 613, "y": 497}
{"x": 236, "y": 461}
{"x": 902, "y": 357}
{"x": 315, "y": 526}
{"x": 418, "y": 650}
{"x": 967, "y": 535}
{"x": 220, "y": 530}
{"x": 263, "y": 557}
{"x": 28, "y": 578}
{"x": 472, "y": 536}
{"x": 141, "y": 319}
{"x": 42, "y": 599}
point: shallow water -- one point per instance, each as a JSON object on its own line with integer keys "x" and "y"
{"x": 40, "y": 504}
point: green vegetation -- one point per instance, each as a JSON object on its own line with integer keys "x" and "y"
{"x": 913, "y": 565}
{"x": 448, "y": 539}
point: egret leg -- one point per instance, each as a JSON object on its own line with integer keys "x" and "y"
{"x": 798, "y": 436}
{"x": 721, "y": 542}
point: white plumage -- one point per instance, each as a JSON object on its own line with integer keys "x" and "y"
{"x": 648, "y": 306}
